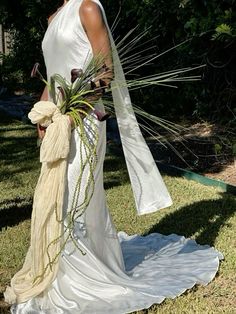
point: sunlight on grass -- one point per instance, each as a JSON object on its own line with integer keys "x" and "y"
{"x": 202, "y": 213}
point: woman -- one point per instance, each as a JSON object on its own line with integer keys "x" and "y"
{"x": 96, "y": 270}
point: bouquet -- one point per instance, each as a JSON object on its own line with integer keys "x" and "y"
{"x": 75, "y": 98}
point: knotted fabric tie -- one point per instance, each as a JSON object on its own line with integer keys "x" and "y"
{"x": 55, "y": 145}
{"x": 41, "y": 263}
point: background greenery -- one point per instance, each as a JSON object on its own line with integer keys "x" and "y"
{"x": 208, "y": 26}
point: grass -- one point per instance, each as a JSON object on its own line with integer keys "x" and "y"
{"x": 199, "y": 212}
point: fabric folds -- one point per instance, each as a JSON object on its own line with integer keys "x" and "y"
{"x": 41, "y": 263}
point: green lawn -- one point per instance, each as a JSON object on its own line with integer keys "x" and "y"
{"x": 203, "y": 213}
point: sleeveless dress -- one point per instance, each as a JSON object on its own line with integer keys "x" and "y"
{"x": 119, "y": 273}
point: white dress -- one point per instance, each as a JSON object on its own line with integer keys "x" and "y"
{"x": 119, "y": 273}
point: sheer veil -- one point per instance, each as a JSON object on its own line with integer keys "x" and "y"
{"x": 149, "y": 190}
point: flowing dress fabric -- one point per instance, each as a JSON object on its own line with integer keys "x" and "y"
{"x": 119, "y": 273}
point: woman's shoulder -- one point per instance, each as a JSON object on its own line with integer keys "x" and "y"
{"x": 90, "y": 14}
{"x": 51, "y": 17}
{"x": 89, "y": 7}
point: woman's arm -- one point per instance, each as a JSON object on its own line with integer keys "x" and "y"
{"x": 44, "y": 95}
{"x": 41, "y": 131}
{"x": 95, "y": 28}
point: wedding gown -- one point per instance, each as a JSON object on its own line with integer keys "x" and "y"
{"x": 119, "y": 273}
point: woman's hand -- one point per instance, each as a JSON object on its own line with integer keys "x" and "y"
{"x": 94, "y": 96}
{"x": 41, "y": 131}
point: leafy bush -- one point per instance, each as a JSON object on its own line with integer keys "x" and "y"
{"x": 208, "y": 26}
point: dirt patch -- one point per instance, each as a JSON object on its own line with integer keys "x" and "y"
{"x": 204, "y": 148}
{"x": 228, "y": 174}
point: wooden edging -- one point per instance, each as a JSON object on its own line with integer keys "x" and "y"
{"x": 172, "y": 170}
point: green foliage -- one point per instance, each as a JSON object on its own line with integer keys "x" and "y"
{"x": 208, "y": 26}
{"x": 223, "y": 32}
{"x": 11, "y": 77}
{"x": 27, "y": 22}
{"x": 234, "y": 149}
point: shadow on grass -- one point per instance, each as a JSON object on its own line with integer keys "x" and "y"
{"x": 115, "y": 171}
{"x": 23, "y": 127}
{"x": 5, "y": 118}
{"x": 205, "y": 218}
{"x": 10, "y": 146}
{"x": 4, "y": 307}
{"x": 18, "y": 154}
{"x": 14, "y": 211}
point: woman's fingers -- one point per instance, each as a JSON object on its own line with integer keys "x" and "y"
{"x": 41, "y": 131}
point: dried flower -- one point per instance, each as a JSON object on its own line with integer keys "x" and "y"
{"x": 76, "y": 73}
{"x": 35, "y": 71}
{"x": 101, "y": 116}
